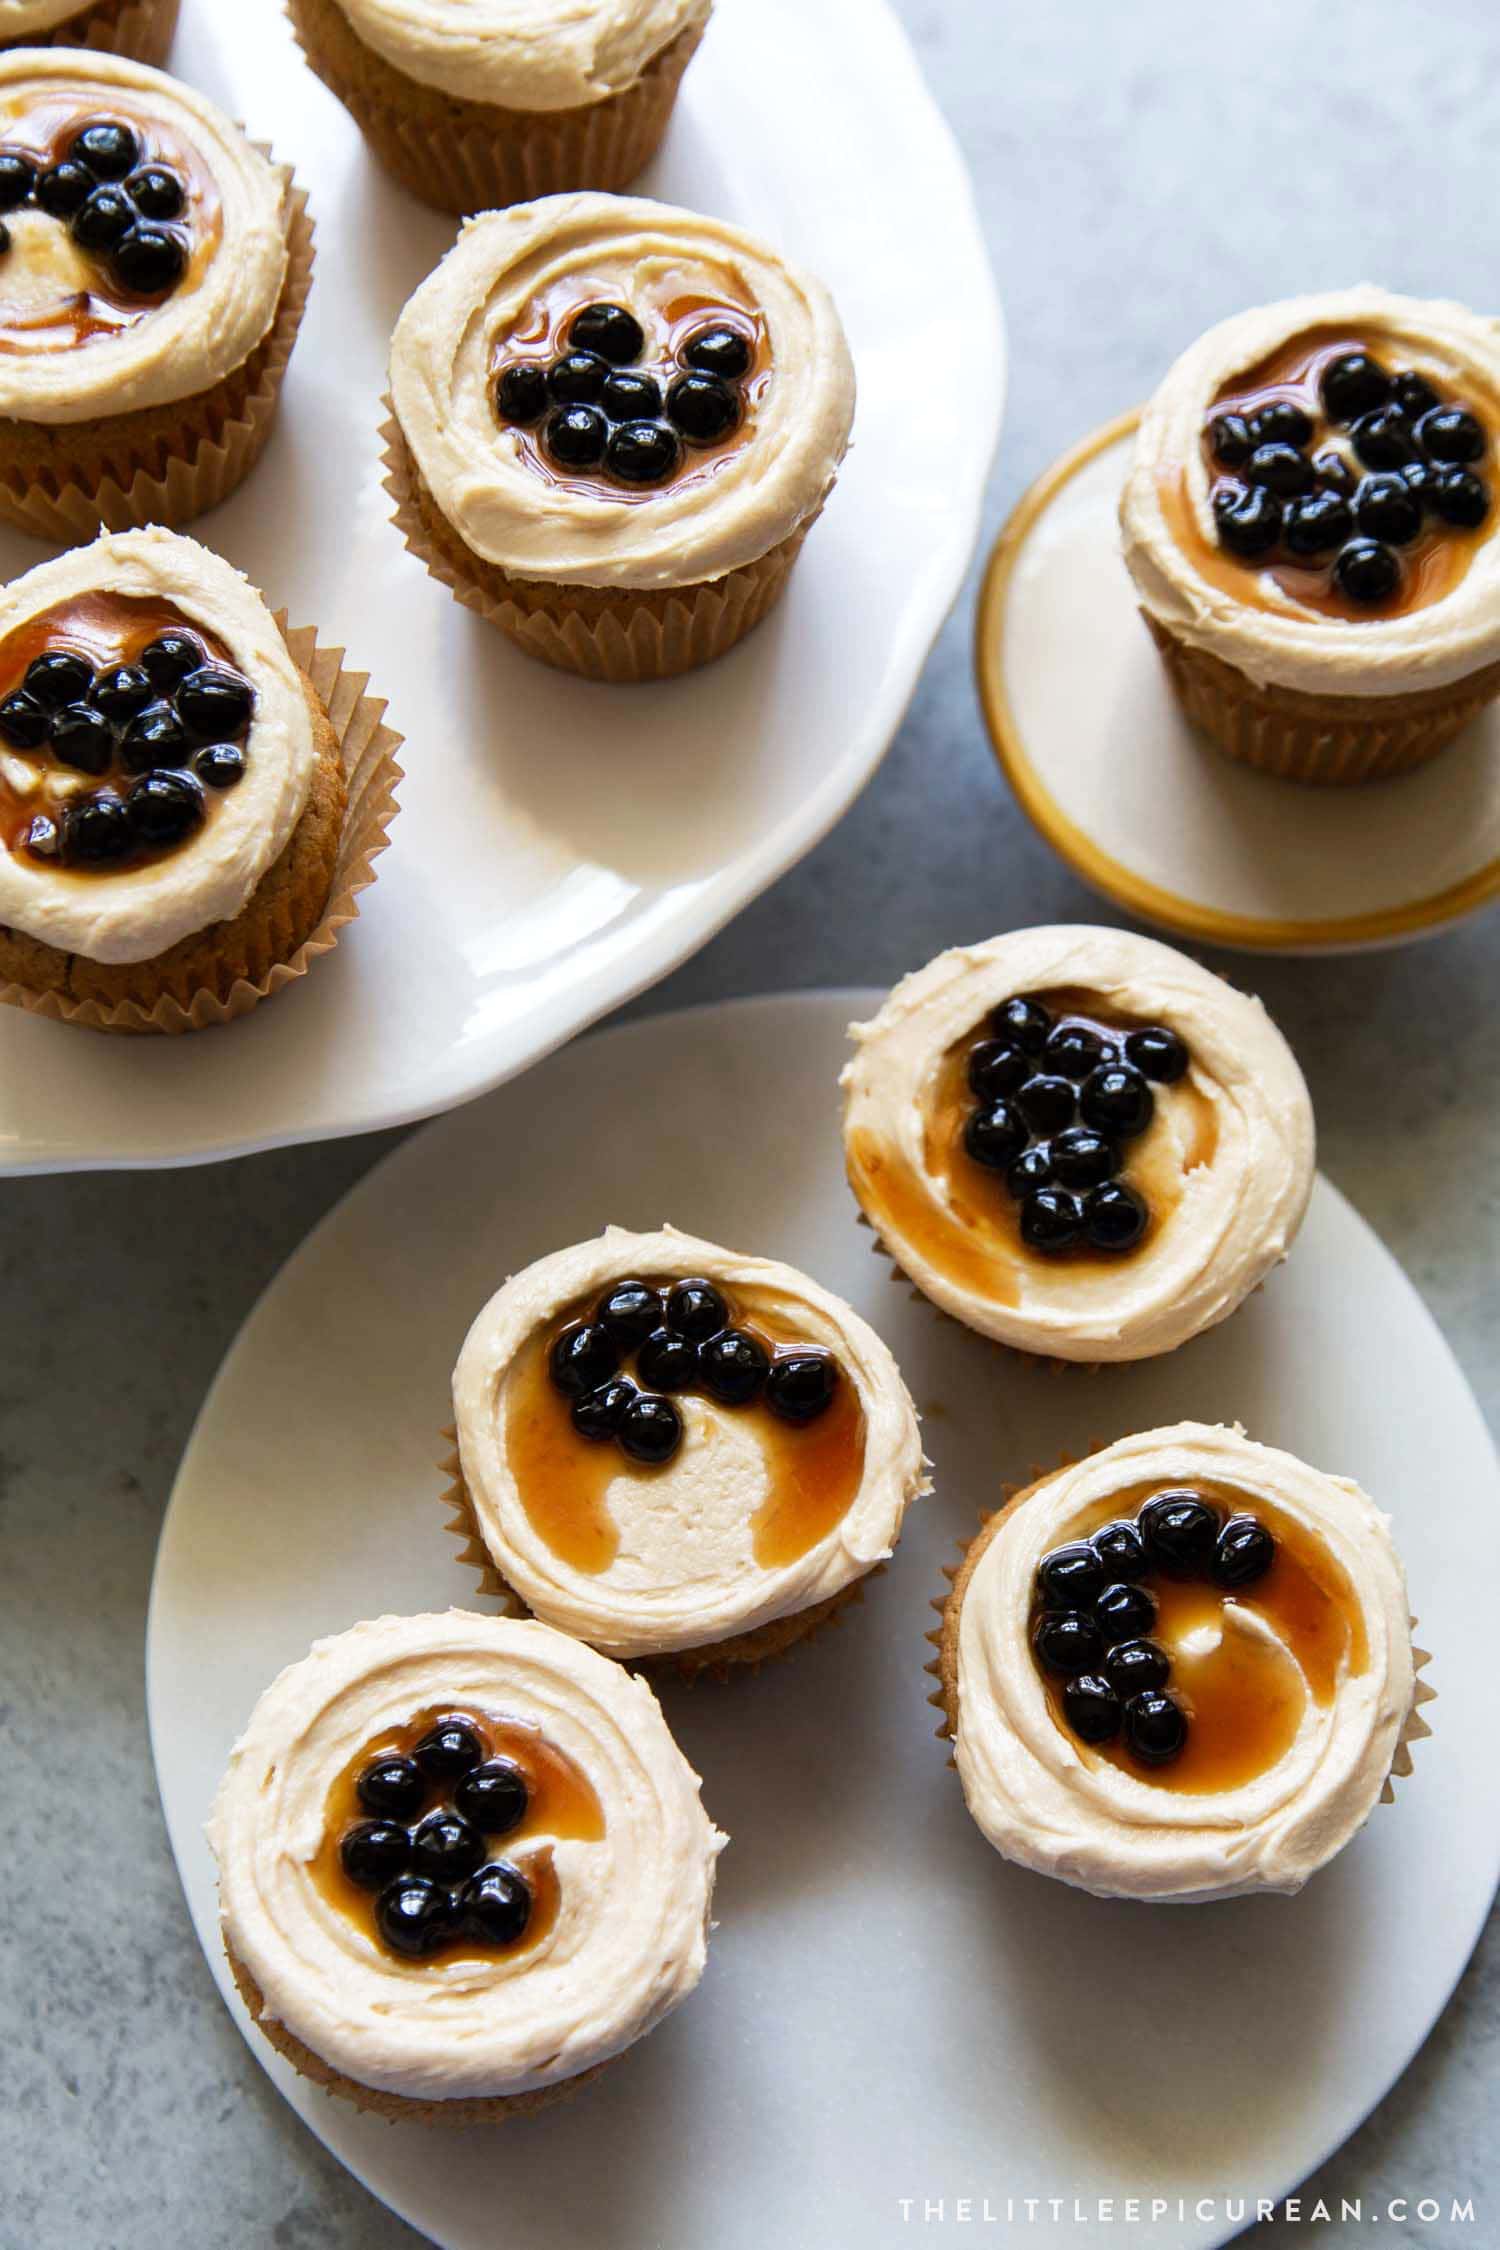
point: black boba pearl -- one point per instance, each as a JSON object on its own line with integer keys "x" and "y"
{"x": 630, "y": 397}
{"x": 449, "y": 1748}
{"x": 1413, "y": 394}
{"x": 521, "y": 393}
{"x": 1134, "y": 1665}
{"x": 122, "y": 692}
{"x": 165, "y": 807}
{"x": 1067, "y": 1643}
{"x": 1117, "y": 1099}
{"x": 651, "y": 1429}
{"x": 1247, "y": 518}
{"x": 1048, "y": 1102}
{"x": 599, "y": 1413}
{"x": 1383, "y": 440}
{"x": 170, "y": 658}
{"x": 577, "y": 379}
{"x": 1091, "y": 1708}
{"x": 1281, "y": 469}
{"x": 1451, "y": 434}
{"x": 1180, "y": 1531}
{"x": 1157, "y": 1052}
{"x": 1460, "y": 498}
{"x": 610, "y": 331}
{"x": 105, "y": 219}
{"x": 642, "y": 453}
{"x": 373, "y": 1852}
{"x": 703, "y": 408}
{"x": 733, "y": 1367}
{"x": 445, "y": 1847}
{"x": 1155, "y": 1727}
{"x": 1073, "y": 1050}
{"x": 108, "y": 150}
{"x": 17, "y": 180}
{"x": 64, "y": 190}
{"x": 43, "y": 836}
{"x": 221, "y": 765}
{"x": 1082, "y": 1158}
{"x": 157, "y": 192}
{"x": 4, "y": 237}
{"x": 1245, "y": 1552}
{"x": 997, "y": 1068}
{"x": 1353, "y": 384}
{"x": 629, "y": 1311}
{"x": 1071, "y": 1577}
{"x": 1125, "y": 1612}
{"x": 1051, "y": 1219}
{"x": 216, "y": 703}
{"x": 1114, "y": 1216}
{"x": 1316, "y": 524}
{"x": 1333, "y": 472}
{"x": 493, "y": 1797}
{"x": 150, "y": 260}
{"x": 1367, "y": 571}
{"x": 1421, "y": 481}
{"x": 157, "y": 738}
{"x": 414, "y": 1916}
{"x": 1230, "y": 439}
{"x": 582, "y": 1357}
{"x": 1121, "y": 1550}
{"x": 496, "y": 1903}
{"x": 667, "y": 1362}
{"x": 718, "y": 350}
{"x": 576, "y": 436}
{"x": 1281, "y": 422}
{"x": 83, "y": 738}
{"x": 1385, "y": 507}
{"x": 995, "y": 1136}
{"x": 1024, "y": 1023}
{"x": 58, "y": 677}
{"x": 696, "y": 1309}
{"x": 392, "y": 1786}
{"x": 24, "y": 724}
{"x": 1031, "y": 1169}
{"x": 802, "y": 1385}
{"x": 96, "y": 830}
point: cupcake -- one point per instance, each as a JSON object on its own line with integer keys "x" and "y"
{"x": 189, "y": 799}
{"x": 666, "y": 1448}
{"x": 1179, "y": 1670}
{"x": 614, "y": 424}
{"x": 142, "y": 29}
{"x": 475, "y": 103}
{"x": 153, "y": 273}
{"x": 462, "y": 1865}
{"x": 1309, "y": 521}
{"x": 1077, "y": 1141}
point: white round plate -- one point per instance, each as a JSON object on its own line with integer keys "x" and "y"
{"x": 890, "y": 2010}
{"x": 1102, "y": 761}
{"x": 560, "y": 845}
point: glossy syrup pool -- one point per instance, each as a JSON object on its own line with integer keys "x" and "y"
{"x": 813, "y": 1469}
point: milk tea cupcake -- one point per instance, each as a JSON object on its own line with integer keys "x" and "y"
{"x": 1309, "y": 520}
{"x": 614, "y": 425}
{"x": 154, "y": 267}
{"x": 669, "y": 1449}
{"x": 141, "y": 29}
{"x": 1078, "y": 1141}
{"x": 1179, "y": 1670}
{"x": 477, "y": 103}
{"x": 462, "y": 1866}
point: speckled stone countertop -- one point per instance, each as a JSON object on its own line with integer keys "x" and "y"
{"x": 1142, "y": 170}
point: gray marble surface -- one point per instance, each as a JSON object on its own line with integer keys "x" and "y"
{"x": 1141, "y": 170}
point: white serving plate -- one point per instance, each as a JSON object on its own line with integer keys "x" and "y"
{"x": 1102, "y": 761}
{"x": 562, "y": 845}
{"x": 889, "y": 2010}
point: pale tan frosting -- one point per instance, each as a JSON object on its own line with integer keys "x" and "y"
{"x": 1237, "y": 1212}
{"x": 1047, "y": 1801}
{"x": 138, "y": 913}
{"x": 761, "y": 490}
{"x": 1289, "y": 645}
{"x": 205, "y": 328}
{"x": 686, "y": 1572}
{"x": 631, "y": 1933}
{"x": 523, "y": 54}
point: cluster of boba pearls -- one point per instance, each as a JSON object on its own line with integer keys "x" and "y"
{"x": 682, "y": 1339}
{"x": 1408, "y": 467}
{"x": 158, "y": 734}
{"x": 1094, "y": 1616}
{"x": 599, "y": 410}
{"x": 116, "y": 204}
{"x": 424, "y": 1849}
{"x": 1057, "y": 1099}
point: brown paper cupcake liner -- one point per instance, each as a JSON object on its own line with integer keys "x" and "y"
{"x": 463, "y": 156}
{"x": 715, "y": 1659}
{"x": 367, "y": 750}
{"x": 492, "y": 2109}
{"x": 161, "y": 464}
{"x": 1325, "y": 739}
{"x": 142, "y": 30}
{"x": 601, "y": 633}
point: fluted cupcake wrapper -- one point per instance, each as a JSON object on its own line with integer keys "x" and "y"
{"x": 143, "y": 30}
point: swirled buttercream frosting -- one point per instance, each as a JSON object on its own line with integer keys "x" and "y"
{"x": 522, "y": 54}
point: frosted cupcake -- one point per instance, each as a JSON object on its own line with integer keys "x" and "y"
{"x": 1309, "y": 520}
{"x": 1179, "y": 1670}
{"x": 142, "y": 29}
{"x": 614, "y": 425}
{"x": 476, "y": 103}
{"x": 154, "y": 267}
{"x": 670, "y": 1449}
{"x": 1078, "y": 1141}
{"x": 462, "y": 1865}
